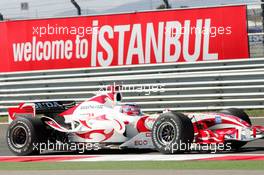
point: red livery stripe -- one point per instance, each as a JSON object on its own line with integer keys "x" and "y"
{"x": 240, "y": 157}
{"x": 40, "y": 158}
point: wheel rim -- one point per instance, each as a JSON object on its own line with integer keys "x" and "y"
{"x": 19, "y": 136}
{"x": 166, "y": 133}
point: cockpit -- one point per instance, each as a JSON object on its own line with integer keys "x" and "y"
{"x": 130, "y": 109}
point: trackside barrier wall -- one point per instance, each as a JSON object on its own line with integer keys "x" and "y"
{"x": 185, "y": 86}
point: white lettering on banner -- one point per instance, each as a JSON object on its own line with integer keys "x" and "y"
{"x": 135, "y": 43}
{"x": 151, "y": 41}
{"x": 121, "y": 34}
{"x": 192, "y": 57}
{"x": 105, "y": 61}
{"x": 38, "y": 50}
{"x": 172, "y": 40}
{"x": 206, "y": 54}
{"x": 94, "y": 45}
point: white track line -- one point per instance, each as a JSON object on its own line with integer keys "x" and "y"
{"x": 256, "y": 117}
{"x": 129, "y": 157}
{"x": 144, "y": 157}
{"x": 154, "y": 157}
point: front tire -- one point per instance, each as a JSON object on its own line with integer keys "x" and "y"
{"x": 243, "y": 116}
{"x": 238, "y": 113}
{"x": 24, "y": 136}
{"x": 172, "y": 133}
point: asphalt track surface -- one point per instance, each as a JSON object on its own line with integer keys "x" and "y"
{"x": 255, "y": 147}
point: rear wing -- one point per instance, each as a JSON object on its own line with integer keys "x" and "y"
{"x": 47, "y": 108}
{"x": 23, "y": 110}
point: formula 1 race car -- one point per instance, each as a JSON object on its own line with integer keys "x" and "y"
{"x": 104, "y": 122}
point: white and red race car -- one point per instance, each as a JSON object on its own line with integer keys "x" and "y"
{"x": 107, "y": 123}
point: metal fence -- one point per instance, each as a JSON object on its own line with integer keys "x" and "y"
{"x": 185, "y": 86}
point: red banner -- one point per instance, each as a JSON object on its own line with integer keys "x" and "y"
{"x": 188, "y": 35}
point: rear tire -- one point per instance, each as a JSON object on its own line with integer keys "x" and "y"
{"x": 243, "y": 116}
{"x": 25, "y": 134}
{"x": 172, "y": 133}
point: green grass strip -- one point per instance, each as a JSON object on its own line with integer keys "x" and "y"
{"x": 132, "y": 165}
{"x": 3, "y": 119}
{"x": 255, "y": 112}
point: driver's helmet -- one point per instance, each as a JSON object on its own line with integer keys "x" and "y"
{"x": 130, "y": 109}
